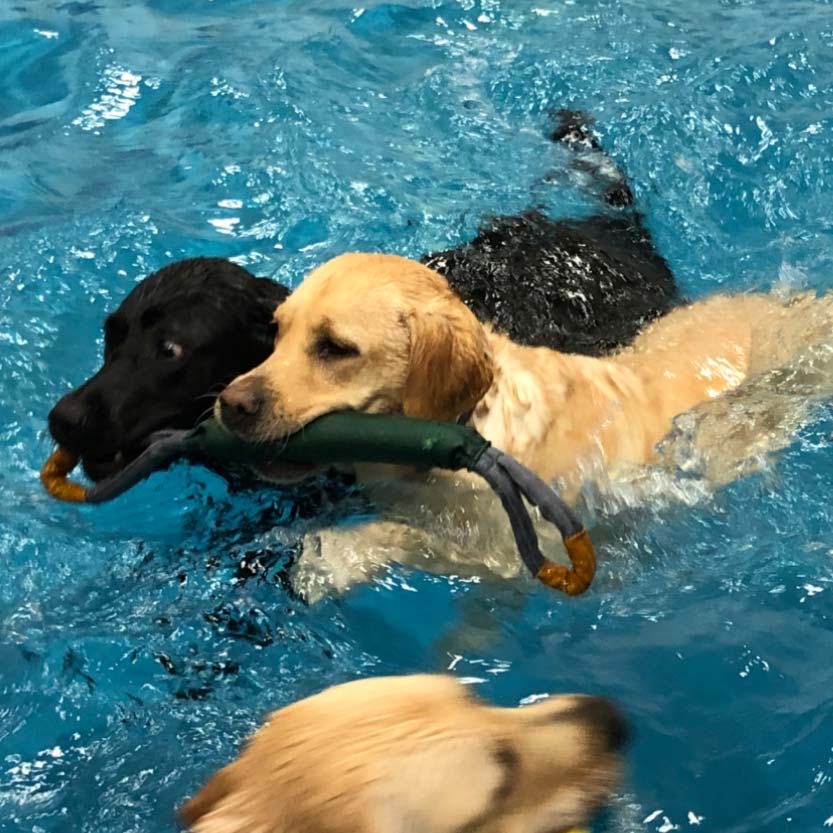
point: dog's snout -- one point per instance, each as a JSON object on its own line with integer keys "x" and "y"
{"x": 241, "y": 401}
{"x": 69, "y": 423}
{"x": 606, "y": 720}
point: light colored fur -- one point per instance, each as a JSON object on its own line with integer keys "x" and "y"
{"x": 411, "y": 755}
{"x": 421, "y": 352}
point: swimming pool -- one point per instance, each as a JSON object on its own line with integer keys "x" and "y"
{"x": 141, "y": 640}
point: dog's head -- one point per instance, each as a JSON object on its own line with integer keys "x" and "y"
{"x": 418, "y": 753}
{"x": 177, "y": 339}
{"x": 366, "y": 332}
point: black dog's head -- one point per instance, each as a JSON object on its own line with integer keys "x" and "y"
{"x": 177, "y": 339}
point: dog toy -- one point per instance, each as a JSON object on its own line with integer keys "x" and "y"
{"x": 352, "y": 437}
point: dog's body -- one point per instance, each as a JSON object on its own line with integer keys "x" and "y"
{"x": 563, "y": 415}
{"x": 580, "y": 286}
{"x": 416, "y": 755}
{"x": 184, "y": 332}
{"x": 383, "y": 334}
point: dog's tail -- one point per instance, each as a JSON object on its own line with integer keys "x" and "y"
{"x": 573, "y": 128}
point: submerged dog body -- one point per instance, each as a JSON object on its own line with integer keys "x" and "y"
{"x": 401, "y": 754}
{"x": 382, "y": 334}
{"x": 567, "y": 416}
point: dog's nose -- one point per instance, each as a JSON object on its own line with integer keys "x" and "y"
{"x": 606, "y": 720}
{"x": 241, "y": 401}
{"x": 69, "y": 423}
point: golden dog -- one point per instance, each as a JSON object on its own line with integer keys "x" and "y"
{"x": 384, "y": 334}
{"x": 417, "y": 755}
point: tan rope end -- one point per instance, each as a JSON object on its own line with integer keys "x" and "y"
{"x": 54, "y": 476}
{"x": 576, "y": 579}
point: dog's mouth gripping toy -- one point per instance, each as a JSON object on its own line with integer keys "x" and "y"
{"x": 352, "y": 437}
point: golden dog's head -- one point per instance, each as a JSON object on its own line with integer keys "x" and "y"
{"x": 366, "y": 332}
{"x": 417, "y": 753}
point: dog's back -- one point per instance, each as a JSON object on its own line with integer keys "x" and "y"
{"x": 730, "y": 338}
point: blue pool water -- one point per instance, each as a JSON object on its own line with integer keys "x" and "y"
{"x": 136, "y": 647}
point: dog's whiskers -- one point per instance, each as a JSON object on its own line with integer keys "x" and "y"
{"x": 203, "y": 416}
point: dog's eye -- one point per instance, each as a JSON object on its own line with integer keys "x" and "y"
{"x": 327, "y": 349}
{"x": 171, "y": 350}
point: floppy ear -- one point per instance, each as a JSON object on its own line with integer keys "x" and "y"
{"x": 271, "y": 293}
{"x": 450, "y": 365}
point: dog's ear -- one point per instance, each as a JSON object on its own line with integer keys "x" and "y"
{"x": 271, "y": 293}
{"x": 450, "y": 365}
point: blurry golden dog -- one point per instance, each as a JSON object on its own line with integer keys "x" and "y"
{"x": 417, "y": 755}
{"x": 384, "y": 334}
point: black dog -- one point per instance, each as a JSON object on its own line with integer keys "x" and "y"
{"x": 174, "y": 343}
{"x": 187, "y": 330}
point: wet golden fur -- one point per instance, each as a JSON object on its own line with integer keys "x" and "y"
{"x": 406, "y": 344}
{"x": 412, "y": 755}
{"x": 421, "y": 352}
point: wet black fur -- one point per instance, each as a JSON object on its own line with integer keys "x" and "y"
{"x": 583, "y": 286}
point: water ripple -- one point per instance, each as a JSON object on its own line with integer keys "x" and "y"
{"x": 280, "y": 134}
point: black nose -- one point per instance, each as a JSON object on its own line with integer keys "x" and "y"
{"x": 69, "y": 423}
{"x": 241, "y": 402}
{"x": 605, "y": 720}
